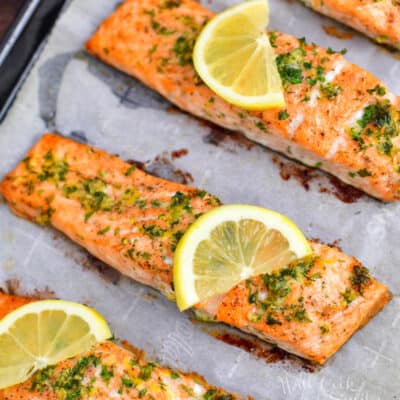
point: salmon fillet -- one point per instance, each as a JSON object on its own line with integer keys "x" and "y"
{"x": 380, "y": 20}
{"x": 108, "y": 371}
{"x": 10, "y": 303}
{"x": 338, "y": 117}
{"x": 133, "y": 221}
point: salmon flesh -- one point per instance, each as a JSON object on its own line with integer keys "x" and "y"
{"x": 380, "y": 20}
{"x": 108, "y": 371}
{"x": 133, "y": 221}
{"x": 338, "y": 117}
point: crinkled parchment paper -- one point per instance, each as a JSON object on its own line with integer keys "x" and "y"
{"x": 72, "y": 93}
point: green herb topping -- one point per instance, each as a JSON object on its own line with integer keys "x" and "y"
{"x": 273, "y": 309}
{"x": 379, "y": 125}
{"x": 360, "y": 278}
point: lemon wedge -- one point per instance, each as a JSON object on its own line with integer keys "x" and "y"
{"x": 231, "y": 244}
{"x": 234, "y": 57}
{"x": 44, "y": 333}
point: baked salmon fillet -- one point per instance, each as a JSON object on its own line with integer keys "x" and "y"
{"x": 380, "y": 20}
{"x": 338, "y": 117}
{"x": 133, "y": 222}
{"x": 108, "y": 371}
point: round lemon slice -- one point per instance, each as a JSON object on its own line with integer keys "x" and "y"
{"x": 231, "y": 244}
{"x": 234, "y": 57}
{"x": 44, "y": 333}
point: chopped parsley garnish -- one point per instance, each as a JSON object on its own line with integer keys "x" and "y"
{"x": 324, "y": 329}
{"x": 145, "y": 256}
{"x": 378, "y": 89}
{"x": 41, "y": 380}
{"x": 68, "y": 384}
{"x": 183, "y": 49}
{"x": 200, "y": 193}
{"x": 155, "y": 203}
{"x": 271, "y": 320}
{"x": 140, "y": 203}
{"x": 44, "y": 218}
{"x": 278, "y": 286}
{"x": 53, "y": 169}
{"x": 283, "y": 115}
{"x": 379, "y": 124}
{"x": 104, "y": 230}
{"x": 290, "y": 66}
{"x": 209, "y": 394}
{"x": 174, "y": 375}
{"x": 360, "y": 278}
{"x": 153, "y": 231}
{"x": 253, "y": 297}
{"x": 330, "y": 90}
{"x": 214, "y": 394}
{"x": 169, "y": 4}
{"x": 180, "y": 202}
{"x": 156, "y": 26}
{"x": 362, "y": 173}
{"x": 91, "y": 194}
{"x": 349, "y": 296}
{"x": 130, "y": 170}
{"x": 261, "y": 126}
{"x": 146, "y": 371}
{"x": 176, "y": 237}
{"x": 329, "y": 50}
{"x": 127, "y": 382}
{"x": 294, "y": 69}
{"x": 272, "y": 38}
{"x": 377, "y": 114}
{"x": 106, "y": 373}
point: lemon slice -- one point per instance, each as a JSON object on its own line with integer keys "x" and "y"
{"x": 234, "y": 57}
{"x": 43, "y": 333}
{"x": 230, "y": 244}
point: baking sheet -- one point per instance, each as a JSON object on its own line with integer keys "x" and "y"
{"x": 72, "y": 93}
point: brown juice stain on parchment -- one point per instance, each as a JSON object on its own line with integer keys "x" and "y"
{"x": 138, "y": 164}
{"x": 225, "y": 138}
{"x": 336, "y": 243}
{"x": 231, "y": 140}
{"x": 90, "y": 262}
{"x": 334, "y": 31}
{"x": 162, "y": 166}
{"x": 390, "y": 50}
{"x": 130, "y": 347}
{"x": 179, "y": 153}
{"x": 218, "y": 136}
{"x": 326, "y": 183}
{"x": 263, "y": 351}
{"x": 13, "y": 287}
{"x": 343, "y": 191}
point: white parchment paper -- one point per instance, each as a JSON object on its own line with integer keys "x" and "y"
{"x": 72, "y": 93}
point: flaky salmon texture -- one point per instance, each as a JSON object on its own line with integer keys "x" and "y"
{"x": 108, "y": 371}
{"x": 338, "y": 117}
{"x": 379, "y": 20}
{"x": 133, "y": 221}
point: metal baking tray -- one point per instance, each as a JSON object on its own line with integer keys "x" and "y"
{"x": 70, "y": 92}
{"x": 23, "y": 26}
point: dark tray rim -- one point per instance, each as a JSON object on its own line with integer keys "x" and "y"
{"x": 17, "y": 27}
{"x": 24, "y": 41}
